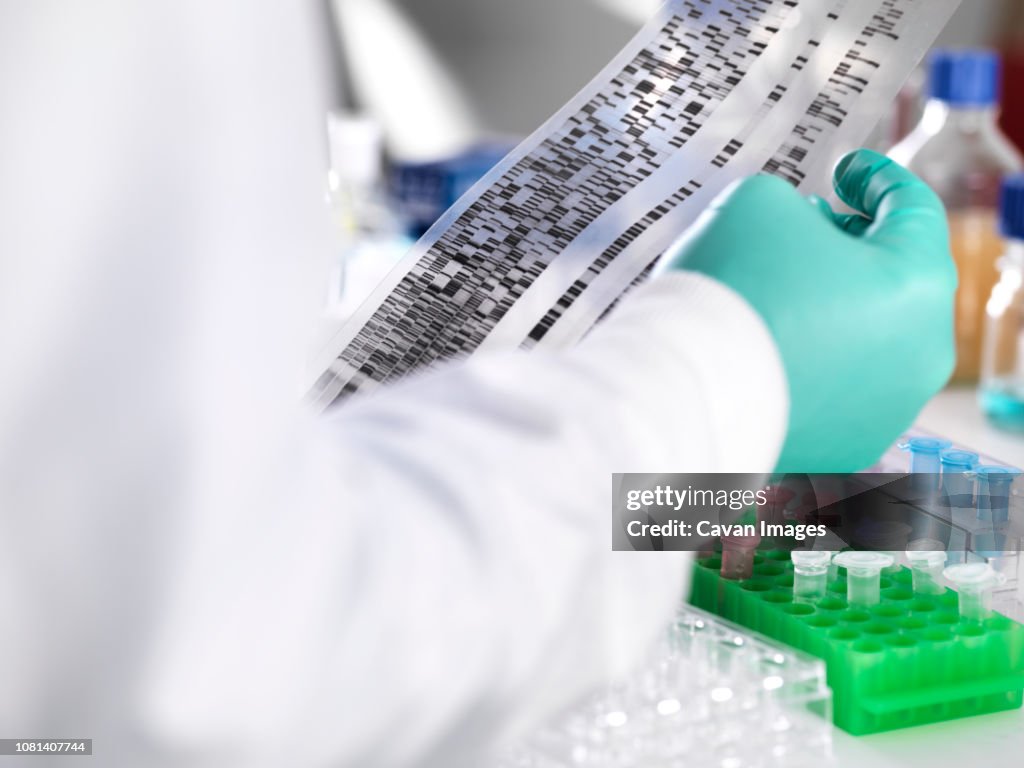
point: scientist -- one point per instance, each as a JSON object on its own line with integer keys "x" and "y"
{"x": 196, "y": 571}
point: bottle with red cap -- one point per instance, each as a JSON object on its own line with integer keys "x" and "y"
{"x": 1002, "y": 385}
{"x": 959, "y": 150}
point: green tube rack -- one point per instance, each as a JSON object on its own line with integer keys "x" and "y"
{"x": 907, "y": 661}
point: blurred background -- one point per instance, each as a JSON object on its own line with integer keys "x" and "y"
{"x": 429, "y": 94}
{"x": 474, "y": 69}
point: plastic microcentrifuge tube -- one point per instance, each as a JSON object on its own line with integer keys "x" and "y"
{"x": 957, "y": 477}
{"x": 890, "y": 537}
{"x": 810, "y": 573}
{"x": 773, "y": 510}
{"x": 863, "y": 575}
{"x": 975, "y": 583}
{"x": 924, "y": 454}
{"x": 738, "y": 556}
{"x": 994, "y": 492}
{"x": 925, "y": 477}
{"x": 926, "y": 560}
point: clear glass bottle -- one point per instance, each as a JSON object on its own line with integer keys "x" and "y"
{"x": 370, "y": 238}
{"x": 1002, "y": 385}
{"x": 960, "y": 151}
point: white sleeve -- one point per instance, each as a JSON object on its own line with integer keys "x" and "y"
{"x": 456, "y": 579}
{"x": 203, "y": 574}
{"x": 503, "y": 469}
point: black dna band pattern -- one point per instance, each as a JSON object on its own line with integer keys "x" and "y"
{"x": 611, "y": 149}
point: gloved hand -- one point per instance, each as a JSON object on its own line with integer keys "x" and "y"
{"x": 861, "y": 307}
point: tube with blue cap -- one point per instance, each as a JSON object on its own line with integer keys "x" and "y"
{"x": 957, "y": 477}
{"x": 994, "y": 484}
{"x": 925, "y": 454}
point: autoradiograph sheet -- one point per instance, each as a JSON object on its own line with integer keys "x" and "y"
{"x": 708, "y": 92}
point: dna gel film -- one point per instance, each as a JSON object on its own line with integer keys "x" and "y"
{"x": 708, "y": 92}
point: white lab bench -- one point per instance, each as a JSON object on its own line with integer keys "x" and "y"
{"x": 996, "y": 739}
{"x": 955, "y": 415}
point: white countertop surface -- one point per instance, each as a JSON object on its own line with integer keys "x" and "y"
{"x": 955, "y": 415}
{"x": 987, "y": 740}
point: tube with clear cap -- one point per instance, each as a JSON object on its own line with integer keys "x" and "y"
{"x": 863, "y": 575}
{"x": 975, "y": 582}
{"x": 774, "y": 509}
{"x": 810, "y": 574}
{"x": 926, "y": 561}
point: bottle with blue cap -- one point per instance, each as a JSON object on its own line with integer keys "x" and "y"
{"x": 1002, "y": 385}
{"x": 959, "y": 150}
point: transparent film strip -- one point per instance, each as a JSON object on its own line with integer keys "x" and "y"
{"x": 708, "y": 92}
{"x": 710, "y": 694}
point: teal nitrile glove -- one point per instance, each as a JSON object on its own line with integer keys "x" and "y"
{"x": 861, "y": 307}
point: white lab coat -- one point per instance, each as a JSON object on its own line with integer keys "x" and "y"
{"x": 196, "y": 571}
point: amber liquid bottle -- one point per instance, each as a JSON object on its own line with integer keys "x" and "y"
{"x": 959, "y": 150}
{"x": 1002, "y": 382}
